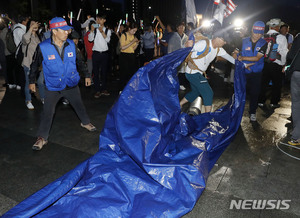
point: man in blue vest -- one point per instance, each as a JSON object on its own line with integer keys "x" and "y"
{"x": 252, "y": 51}
{"x": 58, "y": 56}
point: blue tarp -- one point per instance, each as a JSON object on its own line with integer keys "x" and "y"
{"x": 153, "y": 160}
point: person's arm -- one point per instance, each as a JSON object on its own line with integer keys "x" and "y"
{"x": 160, "y": 23}
{"x": 226, "y": 56}
{"x": 107, "y": 37}
{"x": 253, "y": 58}
{"x": 34, "y": 68}
{"x": 83, "y": 67}
{"x": 282, "y": 47}
{"x": 123, "y": 44}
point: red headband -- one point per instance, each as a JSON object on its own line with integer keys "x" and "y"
{"x": 57, "y": 25}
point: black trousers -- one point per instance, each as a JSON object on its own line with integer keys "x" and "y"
{"x": 128, "y": 67}
{"x": 14, "y": 72}
{"x": 271, "y": 71}
{"x": 253, "y": 90}
{"x": 149, "y": 53}
{"x": 100, "y": 68}
{"x": 51, "y": 99}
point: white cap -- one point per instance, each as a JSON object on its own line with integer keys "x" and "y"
{"x": 275, "y": 22}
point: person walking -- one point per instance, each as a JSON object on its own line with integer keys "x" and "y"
{"x": 294, "y": 56}
{"x": 58, "y": 57}
{"x": 253, "y": 50}
{"x": 30, "y": 40}
{"x": 203, "y": 53}
{"x": 275, "y": 59}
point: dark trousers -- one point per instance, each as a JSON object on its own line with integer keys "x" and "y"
{"x": 51, "y": 99}
{"x": 271, "y": 71}
{"x": 253, "y": 90}
{"x": 128, "y": 67}
{"x": 100, "y": 64}
{"x": 13, "y": 71}
{"x": 3, "y": 69}
{"x": 149, "y": 53}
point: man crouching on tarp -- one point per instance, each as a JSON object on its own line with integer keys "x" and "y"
{"x": 202, "y": 54}
{"x": 58, "y": 56}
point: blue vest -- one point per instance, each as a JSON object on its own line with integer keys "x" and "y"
{"x": 247, "y": 52}
{"x": 59, "y": 73}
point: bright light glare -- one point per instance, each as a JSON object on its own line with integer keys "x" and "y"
{"x": 238, "y": 23}
{"x": 206, "y": 23}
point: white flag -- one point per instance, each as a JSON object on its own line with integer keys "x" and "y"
{"x": 219, "y": 12}
{"x": 190, "y": 12}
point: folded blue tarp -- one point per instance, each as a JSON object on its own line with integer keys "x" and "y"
{"x": 153, "y": 160}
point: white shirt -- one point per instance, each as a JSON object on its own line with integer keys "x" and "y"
{"x": 100, "y": 44}
{"x": 282, "y": 47}
{"x": 204, "y": 62}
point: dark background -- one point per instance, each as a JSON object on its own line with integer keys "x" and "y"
{"x": 170, "y": 11}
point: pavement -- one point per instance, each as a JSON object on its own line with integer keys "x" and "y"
{"x": 251, "y": 168}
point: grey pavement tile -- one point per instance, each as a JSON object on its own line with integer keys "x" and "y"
{"x": 217, "y": 205}
{"x": 6, "y": 203}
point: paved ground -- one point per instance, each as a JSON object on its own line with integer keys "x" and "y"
{"x": 252, "y": 167}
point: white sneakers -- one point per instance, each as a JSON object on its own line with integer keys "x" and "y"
{"x": 182, "y": 88}
{"x": 12, "y": 86}
{"x": 29, "y": 105}
{"x": 253, "y": 117}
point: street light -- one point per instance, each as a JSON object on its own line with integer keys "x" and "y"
{"x": 238, "y": 23}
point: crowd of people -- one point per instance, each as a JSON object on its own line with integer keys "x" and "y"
{"x": 96, "y": 51}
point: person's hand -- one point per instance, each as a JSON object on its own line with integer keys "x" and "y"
{"x": 189, "y": 43}
{"x": 240, "y": 58}
{"x": 32, "y": 87}
{"x": 247, "y": 66}
{"x": 135, "y": 39}
{"x": 88, "y": 81}
{"x": 101, "y": 29}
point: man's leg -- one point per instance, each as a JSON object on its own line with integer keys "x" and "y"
{"x": 74, "y": 97}
{"x": 51, "y": 99}
{"x": 295, "y": 92}
{"x": 96, "y": 67}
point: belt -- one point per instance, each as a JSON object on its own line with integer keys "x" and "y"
{"x": 101, "y": 51}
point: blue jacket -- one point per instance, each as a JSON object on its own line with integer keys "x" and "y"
{"x": 247, "y": 52}
{"x": 59, "y": 73}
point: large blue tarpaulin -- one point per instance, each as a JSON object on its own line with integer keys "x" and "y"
{"x": 153, "y": 160}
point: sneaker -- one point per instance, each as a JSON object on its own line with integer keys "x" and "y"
{"x": 38, "y": 145}
{"x": 65, "y": 101}
{"x": 18, "y": 88}
{"x": 182, "y": 88}
{"x": 105, "y": 93}
{"x": 294, "y": 142}
{"x": 97, "y": 95}
{"x": 90, "y": 127}
{"x": 29, "y": 105}
{"x": 11, "y": 86}
{"x": 274, "y": 105}
{"x": 260, "y": 104}
{"x": 253, "y": 117}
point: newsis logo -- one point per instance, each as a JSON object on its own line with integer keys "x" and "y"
{"x": 260, "y": 204}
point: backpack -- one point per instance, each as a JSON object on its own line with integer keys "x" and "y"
{"x": 272, "y": 48}
{"x": 10, "y": 42}
{"x": 190, "y": 61}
